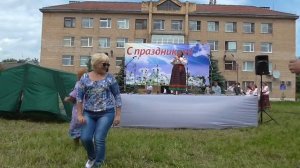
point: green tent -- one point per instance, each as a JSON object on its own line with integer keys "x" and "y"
{"x": 34, "y": 90}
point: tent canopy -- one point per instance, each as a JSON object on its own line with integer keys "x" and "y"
{"x": 32, "y": 89}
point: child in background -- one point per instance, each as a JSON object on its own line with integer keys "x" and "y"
{"x": 75, "y": 126}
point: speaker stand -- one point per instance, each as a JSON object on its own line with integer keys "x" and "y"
{"x": 262, "y": 110}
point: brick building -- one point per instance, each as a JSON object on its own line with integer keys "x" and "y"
{"x": 72, "y": 32}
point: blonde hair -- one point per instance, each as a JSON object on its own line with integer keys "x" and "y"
{"x": 99, "y": 57}
{"x": 81, "y": 72}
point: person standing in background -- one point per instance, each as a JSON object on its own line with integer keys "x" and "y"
{"x": 216, "y": 89}
{"x": 149, "y": 89}
{"x": 98, "y": 107}
{"x": 75, "y": 126}
{"x": 237, "y": 89}
{"x": 265, "y": 96}
{"x": 282, "y": 88}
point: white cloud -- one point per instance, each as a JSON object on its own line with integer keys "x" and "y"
{"x": 8, "y": 41}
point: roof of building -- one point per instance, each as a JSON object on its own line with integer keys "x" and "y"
{"x": 92, "y": 6}
{"x": 201, "y": 9}
{"x": 239, "y": 10}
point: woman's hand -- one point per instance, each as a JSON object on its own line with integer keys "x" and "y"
{"x": 81, "y": 118}
{"x": 117, "y": 120}
{"x": 67, "y": 99}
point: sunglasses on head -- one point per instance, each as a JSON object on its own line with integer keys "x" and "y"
{"x": 105, "y": 64}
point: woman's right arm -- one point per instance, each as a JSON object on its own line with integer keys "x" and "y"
{"x": 79, "y": 98}
{"x": 80, "y": 112}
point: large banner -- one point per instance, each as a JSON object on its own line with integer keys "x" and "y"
{"x": 151, "y": 63}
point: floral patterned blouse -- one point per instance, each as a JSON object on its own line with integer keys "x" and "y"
{"x": 99, "y": 95}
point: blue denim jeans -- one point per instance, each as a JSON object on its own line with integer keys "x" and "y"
{"x": 96, "y": 128}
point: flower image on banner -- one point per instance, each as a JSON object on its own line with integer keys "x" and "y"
{"x": 151, "y": 63}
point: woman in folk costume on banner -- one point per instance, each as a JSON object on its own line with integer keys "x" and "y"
{"x": 178, "y": 75}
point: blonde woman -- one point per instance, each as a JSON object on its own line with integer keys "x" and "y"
{"x": 98, "y": 107}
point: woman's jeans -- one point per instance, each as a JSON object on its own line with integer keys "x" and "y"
{"x": 96, "y": 128}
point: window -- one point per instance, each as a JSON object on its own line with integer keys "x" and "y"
{"x": 123, "y": 24}
{"x": 84, "y": 60}
{"x": 230, "y": 27}
{"x": 167, "y": 39}
{"x": 214, "y": 45}
{"x": 212, "y": 26}
{"x": 176, "y": 25}
{"x": 159, "y": 25}
{"x": 69, "y": 22}
{"x": 266, "y": 28}
{"x": 248, "y": 66}
{"x": 230, "y": 65}
{"x": 87, "y": 23}
{"x": 105, "y": 23}
{"x": 68, "y": 60}
{"x": 194, "y": 42}
{"x": 140, "y": 24}
{"x": 266, "y": 47}
{"x": 169, "y": 6}
{"x": 230, "y": 46}
{"x": 104, "y": 42}
{"x": 140, "y": 40}
{"x": 69, "y": 41}
{"x": 249, "y": 27}
{"x": 248, "y": 47}
{"x": 86, "y": 41}
{"x": 121, "y": 42}
{"x": 119, "y": 61}
{"x": 270, "y": 67}
{"x": 194, "y": 25}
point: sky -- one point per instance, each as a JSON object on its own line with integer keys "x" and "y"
{"x": 21, "y": 22}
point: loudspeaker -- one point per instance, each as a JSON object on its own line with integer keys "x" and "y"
{"x": 262, "y": 65}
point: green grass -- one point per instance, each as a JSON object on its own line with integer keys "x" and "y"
{"x": 26, "y": 144}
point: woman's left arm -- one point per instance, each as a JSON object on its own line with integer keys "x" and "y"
{"x": 117, "y": 95}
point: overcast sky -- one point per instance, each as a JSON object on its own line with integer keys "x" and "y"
{"x": 21, "y": 22}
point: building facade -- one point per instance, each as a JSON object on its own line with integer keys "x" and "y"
{"x": 72, "y": 32}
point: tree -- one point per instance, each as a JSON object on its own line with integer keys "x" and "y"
{"x": 10, "y": 60}
{"x": 215, "y": 74}
{"x": 1, "y": 68}
{"x": 27, "y": 60}
{"x": 35, "y": 61}
{"x": 120, "y": 78}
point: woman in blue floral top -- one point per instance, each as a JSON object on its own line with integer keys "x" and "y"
{"x": 98, "y": 107}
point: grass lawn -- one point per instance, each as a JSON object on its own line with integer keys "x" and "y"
{"x": 27, "y": 144}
